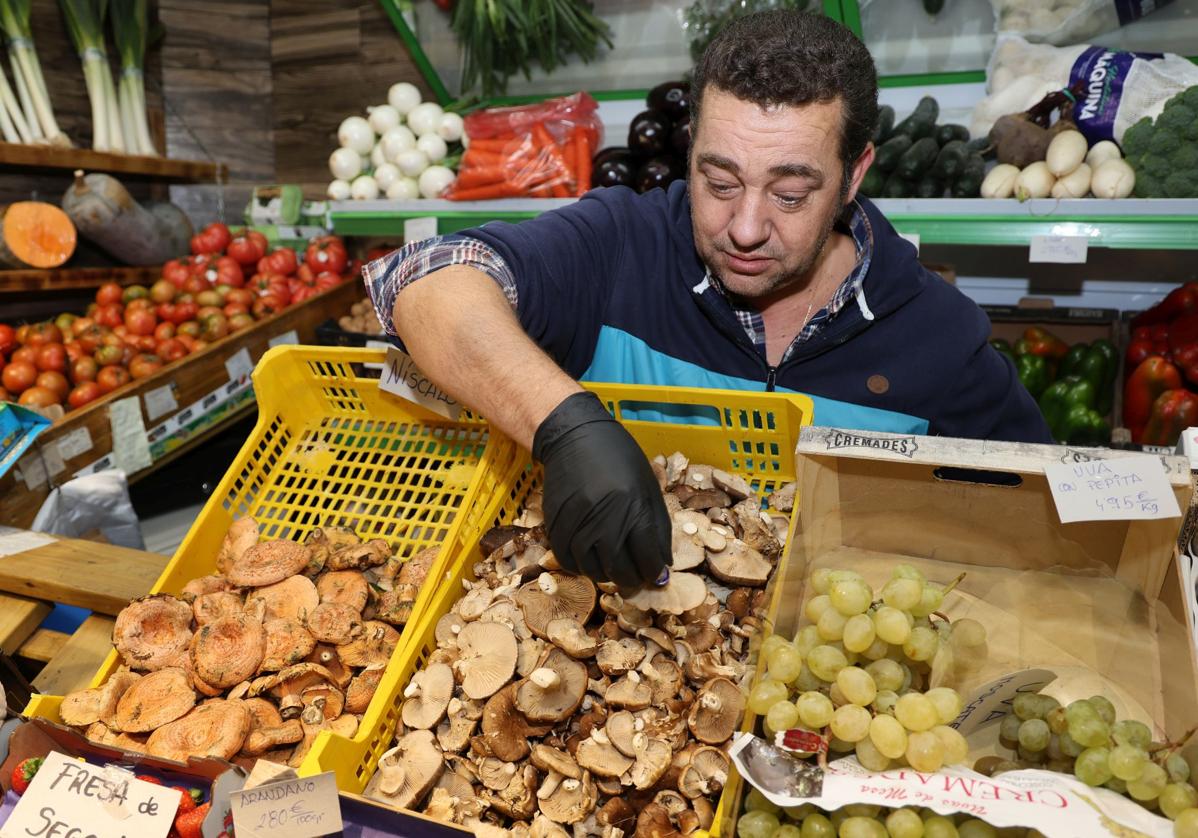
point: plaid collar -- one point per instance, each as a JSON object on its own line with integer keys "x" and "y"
{"x": 856, "y": 223}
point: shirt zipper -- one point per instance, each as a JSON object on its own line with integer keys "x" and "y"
{"x": 771, "y": 377}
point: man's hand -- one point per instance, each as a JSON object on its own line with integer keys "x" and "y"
{"x": 603, "y": 508}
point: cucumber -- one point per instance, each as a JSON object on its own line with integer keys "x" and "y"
{"x": 891, "y": 151}
{"x": 897, "y": 187}
{"x": 950, "y": 162}
{"x": 922, "y": 121}
{"x": 929, "y": 186}
{"x": 885, "y": 124}
{"x": 969, "y": 183}
{"x": 982, "y": 146}
{"x": 873, "y": 182}
{"x": 918, "y": 159}
{"x": 945, "y": 134}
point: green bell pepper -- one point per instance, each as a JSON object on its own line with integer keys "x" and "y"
{"x": 1069, "y": 406}
{"x": 1034, "y": 373}
{"x": 1003, "y": 347}
{"x": 1073, "y": 359}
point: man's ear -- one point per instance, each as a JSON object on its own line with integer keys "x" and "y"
{"x": 860, "y": 167}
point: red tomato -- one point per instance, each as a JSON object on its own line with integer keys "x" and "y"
{"x": 38, "y": 397}
{"x": 145, "y": 343}
{"x": 55, "y": 382}
{"x": 109, "y": 355}
{"x": 92, "y": 338}
{"x": 247, "y": 249}
{"x": 52, "y": 356}
{"x": 22, "y": 333}
{"x": 209, "y": 298}
{"x": 214, "y": 326}
{"x": 189, "y": 329}
{"x": 86, "y": 392}
{"x": 18, "y": 377}
{"x": 327, "y": 280}
{"x": 225, "y": 271}
{"x": 109, "y": 292}
{"x": 282, "y": 260}
{"x": 170, "y": 350}
{"x": 163, "y": 291}
{"x": 237, "y": 322}
{"x": 306, "y": 274}
{"x": 64, "y": 321}
{"x": 176, "y": 272}
{"x": 196, "y": 285}
{"x": 74, "y": 351}
{"x": 326, "y": 253}
{"x": 302, "y": 293}
{"x": 80, "y": 325}
{"x": 140, "y": 321}
{"x": 144, "y": 365}
{"x": 164, "y": 331}
{"x": 235, "y": 308}
{"x": 267, "y": 305}
{"x": 110, "y": 315}
{"x": 112, "y": 377}
{"x": 26, "y": 354}
{"x": 187, "y": 340}
{"x": 212, "y": 239}
{"x": 84, "y": 369}
{"x": 134, "y": 292}
{"x": 42, "y": 333}
{"x": 240, "y": 296}
{"x": 8, "y": 339}
{"x": 271, "y": 284}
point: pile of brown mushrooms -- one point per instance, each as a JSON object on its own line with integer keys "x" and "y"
{"x": 551, "y": 707}
{"x": 284, "y": 641}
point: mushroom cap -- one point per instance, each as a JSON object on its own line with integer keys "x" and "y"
{"x": 716, "y": 711}
{"x": 739, "y": 564}
{"x": 621, "y": 728}
{"x": 496, "y": 774}
{"x": 154, "y": 700}
{"x": 448, "y": 628}
{"x": 506, "y": 731}
{"x": 151, "y": 631}
{"x": 673, "y": 801}
{"x": 287, "y": 642}
{"x": 782, "y": 499}
{"x": 654, "y": 822}
{"x": 454, "y": 732}
{"x": 475, "y": 602}
{"x": 686, "y": 534}
{"x": 598, "y": 755}
{"x": 552, "y": 596}
{"x": 757, "y": 528}
{"x": 552, "y": 759}
{"x": 408, "y": 771}
{"x": 558, "y": 700}
{"x": 487, "y": 658}
{"x": 664, "y": 677}
{"x": 372, "y": 647}
{"x": 705, "y": 774}
{"x": 217, "y": 728}
{"x": 294, "y": 598}
{"x": 629, "y": 692}
{"x": 735, "y": 485}
{"x": 699, "y": 477}
{"x": 334, "y": 622}
{"x": 216, "y": 604}
{"x": 571, "y": 637}
{"x": 267, "y": 563}
{"x": 683, "y": 592}
{"x": 652, "y": 761}
{"x": 615, "y": 657}
{"x": 426, "y": 707}
{"x": 346, "y": 586}
{"x": 228, "y": 650}
{"x": 517, "y": 800}
{"x": 571, "y": 802}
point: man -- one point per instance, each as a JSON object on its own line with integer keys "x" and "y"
{"x": 763, "y": 271}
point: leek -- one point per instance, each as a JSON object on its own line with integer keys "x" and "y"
{"x": 129, "y": 33}
{"x": 12, "y": 121}
{"x": 85, "y": 23}
{"x": 27, "y": 73}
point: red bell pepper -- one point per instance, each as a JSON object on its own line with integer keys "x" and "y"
{"x": 1179, "y": 301}
{"x": 1150, "y": 379}
{"x": 1037, "y": 341}
{"x": 1172, "y": 412}
{"x": 1146, "y": 341}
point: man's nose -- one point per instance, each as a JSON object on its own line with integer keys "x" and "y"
{"x": 750, "y": 225}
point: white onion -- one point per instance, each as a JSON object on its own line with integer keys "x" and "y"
{"x": 356, "y": 133}
{"x": 433, "y": 147}
{"x": 404, "y": 189}
{"x": 383, "y": 118}
{"x": 364, "y": 188}
{"x": 400, "y": 138}
{"x": 385, "y": 175}
{"x": 376, "y": 156}
{"x": 338, "y": 190}
{"x": 450, "y": 128}
{"x": 403, "y": 97}
{"x": 434, "y": 179}
{"x": 345, "y": 164}
{"x": 424, "y": 118}
{"x": 412, "y": 162}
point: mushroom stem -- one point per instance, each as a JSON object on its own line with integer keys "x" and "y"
{"x": 544, "y": 678}
{"x": 411, "y": 690}
{"x": 547, "y": 584}
{"x": 710, "y": 701}
{"x": 550, "y": 785}
{"x": 393, "y": 777}
{"x": 570, "y": 784}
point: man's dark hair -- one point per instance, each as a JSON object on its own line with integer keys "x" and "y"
{"x": 788, "y": 57}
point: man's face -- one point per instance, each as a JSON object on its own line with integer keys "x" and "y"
{"x": 765, "y": 189}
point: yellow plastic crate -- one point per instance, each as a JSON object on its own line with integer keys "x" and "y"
{"x": 330, "y": 448}
{"x": 751, "y": 434}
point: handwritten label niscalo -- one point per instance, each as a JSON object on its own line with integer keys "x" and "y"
{"x": 1125, "y": 489}
{"x": 81, "y": 800}
{"x": 1059, "y": 250}
{"x": 993, "y": 701}
{"x": 402, "y": 377}
{"x": 302, "y": 808}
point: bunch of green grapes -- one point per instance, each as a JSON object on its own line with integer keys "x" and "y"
{"x": 1085, "y": 739}
{"x": 857, "y": 671}
{"x": 762, "y": 819}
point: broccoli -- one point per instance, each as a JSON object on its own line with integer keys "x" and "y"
{"x": 1190, "y": 132}
{"x": 1163, "y": 143}
{"x": 1182, "y": 185}
{"x": 1189, "y": 97}
{"x": 1176, "y": 118}
{"x": 1137, "y": 137}
{"x": 1147, "y": 186}
{"x": 1156, "y": 165}
{"x": 1185, "y": 159}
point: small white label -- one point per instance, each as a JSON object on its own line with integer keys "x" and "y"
{"x": 285, "y": 339}
{"x": 130, "y": 447}
{"x": 53, "y": 460}
{"x": 402, "y": 377}
{"x": 70, "y": 797}
{"x": 376, "y": 344}
{"x": 913, "y": 238}
{"x": 74, "y": 443}
{"x": 33, "y": 471}
{"x": 160, "y": 401}
{"x": 419, "y": 229}
{"x": 240, "y": 366}
{"x": 1060, "y": 250}
{"x": 302, "y": 808}
{"x": 992, "y": 701}
{"x": 1129, "y": 488}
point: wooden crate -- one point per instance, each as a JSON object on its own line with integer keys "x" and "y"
{"x": 190, "y": 380}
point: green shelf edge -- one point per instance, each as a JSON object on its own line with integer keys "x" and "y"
{"x": 391, "y": 223}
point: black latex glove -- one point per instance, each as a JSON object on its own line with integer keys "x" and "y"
{"x": 603, "y": 508}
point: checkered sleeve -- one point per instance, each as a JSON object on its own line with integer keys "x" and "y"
{"x": 387, "y": 276}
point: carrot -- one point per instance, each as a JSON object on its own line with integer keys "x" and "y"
{"x": 480, "y": 176}
{"x": 486, "y": 158}
{"x": 545, "y": 140}
{"x": 495, "y": 144}
{"x": 485, "y": 193}
{"x": 580, "y": 143}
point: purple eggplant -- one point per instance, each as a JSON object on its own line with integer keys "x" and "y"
{"x": 614, "y": 170}
{"x": 680, "y": 138}
{"x": 660, "y": 171}
{"x": 673, "y": 98}
{"x": 649, "y": 134}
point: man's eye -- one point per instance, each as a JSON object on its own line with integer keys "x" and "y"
{"x": 720, "y": 188}
{"x": 790, "y": 201}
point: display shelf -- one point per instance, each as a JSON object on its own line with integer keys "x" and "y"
{"x": 386, "y": 218}
{"x": 192, "y": 382}
{"x": 44, "y": 157}
{"x": 69, "y": 279}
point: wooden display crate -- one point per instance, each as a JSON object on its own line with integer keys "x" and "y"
{"x": 86, "y": 434}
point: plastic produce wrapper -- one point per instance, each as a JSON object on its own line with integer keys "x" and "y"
{"x": 19, "y": 427}
{"x": 703, "y": 19}
{"x": 538, "y": 151}
{"x": 1066, "y": 22}
{"x": 96, "y": 502}
{"x": 1114, "y": 89}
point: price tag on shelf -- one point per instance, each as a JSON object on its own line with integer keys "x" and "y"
{"x": 240, "y": 365}
{"x": 1059, "y": 250}
{"x": 402, "y": 377}
{"x": 284, "y": 339}
{"x": 74, "y": 443}
{"x": 69, "y": 797}
{"x": 159, "y": 401}
{"x": 419, "y": 229}
{"x": 301, "y": 808}
{"x": 913, "y": 238}
{"x": 130, "y": 446}
{"x": 1126, "y": 489}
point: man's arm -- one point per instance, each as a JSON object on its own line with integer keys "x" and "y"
{"x": 460, "y": 330}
